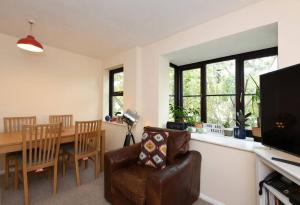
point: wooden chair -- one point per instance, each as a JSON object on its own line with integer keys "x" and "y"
{"x": 14, "y": 124}
{"x": 40, "y": 150}
{"x": 87, "y": 135}
{"x": 66, "y": 120}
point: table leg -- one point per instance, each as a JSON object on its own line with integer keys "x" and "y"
{"x": 102, "y": 150}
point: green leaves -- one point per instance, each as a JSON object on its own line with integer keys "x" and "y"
{"x": 181, "y": 114}
{"x": 242, "y": 119}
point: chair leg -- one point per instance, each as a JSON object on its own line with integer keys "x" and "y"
{"x": 16, "y": 177}
{"x": 26, "y": 191}
{"x": 77, "y": 172}
{"x": 6, "y": 172}
{"x": 63, "y": 165}
{"x": 55, "y": 178}
{"x": 96, "y": 165}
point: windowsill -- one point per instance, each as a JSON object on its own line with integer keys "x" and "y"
{"x": 114, "y": 123}
{"x": 246, "y": 145}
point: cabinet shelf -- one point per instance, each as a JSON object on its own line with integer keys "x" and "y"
{"x": 278, "y": 194}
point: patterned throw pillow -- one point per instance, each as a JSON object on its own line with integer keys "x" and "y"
{"x": 154, "y": 149}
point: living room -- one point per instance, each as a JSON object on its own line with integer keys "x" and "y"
{"x": 89, "y": 45}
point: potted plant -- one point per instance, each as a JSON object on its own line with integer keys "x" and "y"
{"x": 191, "y": 116}
{"x": 227, "y": 130}
{"x": 241, "y": 121}
{"x": 179, "y": 115}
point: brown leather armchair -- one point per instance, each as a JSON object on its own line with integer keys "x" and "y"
{"x": 127, "y": 183}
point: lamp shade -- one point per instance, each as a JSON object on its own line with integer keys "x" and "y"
{"x": 30, "y": 44}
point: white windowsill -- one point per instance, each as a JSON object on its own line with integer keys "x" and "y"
{"x": 114, "y": 123}
{"x": 246, "y": 145}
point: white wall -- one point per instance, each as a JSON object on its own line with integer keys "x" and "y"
{"x": 53, "y": 82}
{"x": 227, "y": 174}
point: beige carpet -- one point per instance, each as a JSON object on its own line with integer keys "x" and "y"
{"x": 40, "y": 190}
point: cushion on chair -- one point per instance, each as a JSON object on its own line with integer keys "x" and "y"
{"x": 178, "y": 142}
{"x": 154, "y": 149}
{"x": 131, "y": 182}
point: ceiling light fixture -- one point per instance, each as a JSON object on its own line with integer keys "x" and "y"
{"x": 29, "y": 43}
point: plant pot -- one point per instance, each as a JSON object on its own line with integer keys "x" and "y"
{"x": 176, "y": 125}
{"x": 239, "y": 133}
{"x": 228, "y": 132}
{"x": 198, "y": 125}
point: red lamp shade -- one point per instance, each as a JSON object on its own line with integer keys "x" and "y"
{"x": 30, "y": 44}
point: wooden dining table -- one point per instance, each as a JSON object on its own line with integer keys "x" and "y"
{"x": 12, "y": 142}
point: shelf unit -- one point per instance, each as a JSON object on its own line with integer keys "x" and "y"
{"x": 265, "y": 165}
{"x": 279, "y": 195}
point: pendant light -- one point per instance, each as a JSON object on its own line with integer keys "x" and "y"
{"x": 29, "y": 43}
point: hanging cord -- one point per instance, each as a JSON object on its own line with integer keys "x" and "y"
{"x": 31, "y": 22}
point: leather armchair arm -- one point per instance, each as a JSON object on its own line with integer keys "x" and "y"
{"x": 118, "y": 159}
{"x": 177, "y": 184}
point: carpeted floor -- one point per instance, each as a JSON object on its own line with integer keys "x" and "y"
{"x": 40, "y": 190}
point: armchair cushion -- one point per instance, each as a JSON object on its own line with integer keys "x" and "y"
{"x": 178, "y": 142}
{"x": 154, "y": 149}
{"x": 131, "y": 182}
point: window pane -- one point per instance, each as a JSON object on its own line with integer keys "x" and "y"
{"x": 171, "y": 81}
{"x": 118, "y": 82}
{"x": 192, "y": 103}
{"x": 251, "y": 106}
{"x": 253, "y": 69}
{"x": 256, "y": 67}
{"x": 191, "y": 82}
{"x": 220, "y": 109}
{"x": 117, "y": 104}
{"x": 221, "y": 78}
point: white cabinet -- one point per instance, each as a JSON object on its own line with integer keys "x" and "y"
{"x": 265, "y": 165}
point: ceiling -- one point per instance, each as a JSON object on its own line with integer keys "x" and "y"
{"x": 100, "y": 28}
{"x": 251, "y": 40}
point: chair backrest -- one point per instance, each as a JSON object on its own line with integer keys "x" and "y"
{"x": 87, "y": 134}
{"x": 177, "y": 144}
{"x": 40, "y": 145}
{"x": 15, "y": 124}
{"x": 66, "y": 120}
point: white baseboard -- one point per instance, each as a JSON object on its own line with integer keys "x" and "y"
{"x": 210, "y": 200}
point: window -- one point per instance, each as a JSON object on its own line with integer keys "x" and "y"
{"x": 220, "y": 87}
{"x": 116, "y": 81}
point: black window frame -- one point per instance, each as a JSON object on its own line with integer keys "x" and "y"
{"x": 239, "y": 77}
{"x": 112, "y": 93}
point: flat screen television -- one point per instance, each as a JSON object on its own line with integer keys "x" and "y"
{"x": 280, "y": 109}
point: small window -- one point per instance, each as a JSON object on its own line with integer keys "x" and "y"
{"x": 171, "y": 89}
{"x": 116, "y": 85}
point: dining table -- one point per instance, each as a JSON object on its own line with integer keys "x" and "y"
{"x": 12, "y": 142}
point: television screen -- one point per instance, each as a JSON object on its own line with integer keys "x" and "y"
{"x": 280, "y": 109}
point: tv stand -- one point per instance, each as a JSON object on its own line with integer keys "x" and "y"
{"x": 270, "y": 160}
{"x": 286, "y": 161}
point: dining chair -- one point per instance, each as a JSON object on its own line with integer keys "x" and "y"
{"x": 87, "y": 135}
{"x": 66, "y": 120}
{"x": 40, "y": 150}
{"x": 14, "y": 124}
